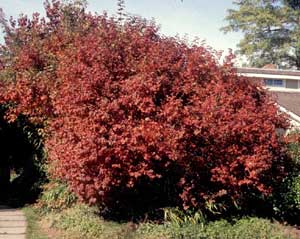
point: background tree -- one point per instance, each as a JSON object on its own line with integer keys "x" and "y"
{"x": 295, "y": 4}
{"x": 271, "y": 31}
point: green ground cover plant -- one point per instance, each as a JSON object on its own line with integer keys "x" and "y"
{"x": 82, "y": 221}
{"x": 286, "y": 197}
{"x": 56, "y": 196}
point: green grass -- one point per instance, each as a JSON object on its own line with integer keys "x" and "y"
{"x": 248, "y": 228}
{"x": 33, "y": 228}
{"x": 60, "y": 217}
{"x": 84, "y": 222}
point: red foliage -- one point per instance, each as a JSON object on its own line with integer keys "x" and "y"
{"x": 128, "y": 108}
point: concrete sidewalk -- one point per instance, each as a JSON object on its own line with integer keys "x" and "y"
{"x": 12, "y": 223}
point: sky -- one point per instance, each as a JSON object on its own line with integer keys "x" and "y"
{"x": 192, "y": 18}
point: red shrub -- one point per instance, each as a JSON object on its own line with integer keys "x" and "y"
{"x": 134, "y": 106}
{"x": 131, "y": 112}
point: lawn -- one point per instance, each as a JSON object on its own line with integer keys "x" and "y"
{"x": 81, "y": 221}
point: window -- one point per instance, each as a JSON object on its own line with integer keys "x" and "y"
{"x": 274, "y": 82}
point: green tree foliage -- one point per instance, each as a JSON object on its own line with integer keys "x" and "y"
{"x": 295, "y": 4}
{"x": 271, "y": 31}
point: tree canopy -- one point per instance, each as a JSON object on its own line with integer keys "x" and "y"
{"x": 271, "y": 31}
{"x": 295, "y": 4}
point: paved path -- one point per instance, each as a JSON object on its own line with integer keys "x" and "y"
{"x": 12, "y": 223}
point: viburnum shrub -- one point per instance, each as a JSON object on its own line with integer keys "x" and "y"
{"x": 135, "y": 118}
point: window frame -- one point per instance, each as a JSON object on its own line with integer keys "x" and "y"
{"x": 273, "y": 85}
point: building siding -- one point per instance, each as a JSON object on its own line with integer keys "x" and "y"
{"x": 292, "y": 84}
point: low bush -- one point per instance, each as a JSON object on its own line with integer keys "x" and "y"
{"x": 293, "y": 143}
{"x": 286, "y": 196}
{"x": 286, "y": 199}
